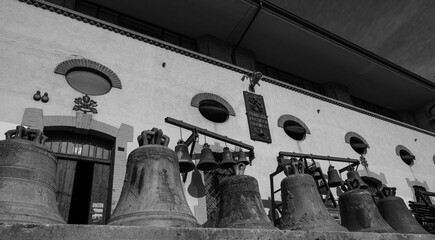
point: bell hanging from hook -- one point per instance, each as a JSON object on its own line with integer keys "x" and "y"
{"x": 207, "y": 161}
{"x": 227, "y": 160}
{"x": 334, "y": 179}
{"x": 184, "y": 160}
{"x": 351, "y": 173}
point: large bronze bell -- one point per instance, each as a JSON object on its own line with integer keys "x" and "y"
{"x": 334, "y": 179}
{"x": 302, "y": 207}
{"x": 393, "y": 209}
{"x": 227, "y": 160}
{"x": 240, "y": 204}
{"x": 184, "y": 160}
{"x": 152, "y": 194}
{"x": 27, "y": 179}
{"x": 358, "y": 211}
{"x": 206, "y": 161}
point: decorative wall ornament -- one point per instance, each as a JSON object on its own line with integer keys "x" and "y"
{"x": 85, "y": 104}
{"x": 37, "y": 96}
{"x": 257, "y": 117}
{"x": 45, "y": 98}
{"x": 254, "y": 78}
{"x": 363, "y": 161}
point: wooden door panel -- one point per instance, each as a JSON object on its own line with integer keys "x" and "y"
{"x": 99, "y": 194}
{"x": 64, "y": 182}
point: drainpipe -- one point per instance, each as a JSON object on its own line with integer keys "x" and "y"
{"x": 233, "y": 53}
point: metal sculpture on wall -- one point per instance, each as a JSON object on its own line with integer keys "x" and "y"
{"x": 257, "y": 117}
{"x": 358, "y": 211}
{"x": 254, "y": 78}
{"x": 302, "y": 207}
{"x": 152, "y": 194}
{"x": 44, "y": 98}
{"x": 394, "y": 211}
{"x": 27, "y": 179}
{"x": 85, "y": 104}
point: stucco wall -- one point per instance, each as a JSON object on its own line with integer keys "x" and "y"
{"x": 33, "y": 41}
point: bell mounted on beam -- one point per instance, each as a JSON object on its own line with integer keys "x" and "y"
{"x": 184, "y": 160}
{"x": 241, "y": 158}
{"x": 334, "y": 179}
{"x": 352, "y": 174}
{"x": 227, "y": 160}
{"x": 207, "y": 161}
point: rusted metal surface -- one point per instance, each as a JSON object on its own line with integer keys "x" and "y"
{"x": 240, "y": 204}
{"x": 152, "y": 194}
{"x": 394, "y": 211}
{"x": 27, "y": 179}
{"x": 359, "y": 213}
{"x": 302, "y": 207}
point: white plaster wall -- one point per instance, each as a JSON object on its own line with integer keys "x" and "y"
{"x": 33, "y": 41}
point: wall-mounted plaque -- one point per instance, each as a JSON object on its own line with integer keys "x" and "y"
{"x": 257, "y": 117}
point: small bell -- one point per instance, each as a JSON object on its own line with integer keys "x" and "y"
{"x": 354, "y": 174}
{"x": 227, "y": 159}
{"x": 206, "y": 162}
{"x": 184, "y": 160}
{"x": 334, "y": 179}
{"x": 242, "y": 158}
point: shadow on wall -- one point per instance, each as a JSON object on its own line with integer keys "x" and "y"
{"x": 381, "y": 176}
{"x": 418, "y": 183}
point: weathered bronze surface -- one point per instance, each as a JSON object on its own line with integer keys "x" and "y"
{"x": 303, "y": 208}
{"x": 240, "y": 204}
{"x": 352, "y": 174}
{"x": 393, "y": 209}
{"x": 359, "y": 213}
{"x": 27, "y": 179}
{"x": 152, "y": 194}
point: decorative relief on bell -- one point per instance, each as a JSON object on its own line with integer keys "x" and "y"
{"x": 27, "y": 179}
{"x": 152, "y": 194}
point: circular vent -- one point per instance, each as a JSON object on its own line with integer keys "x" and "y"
{"x": 213, "y": 111}
{"x": 358, "y": 145}
{"x": 88, "y": 82}
{"x": 407, "y": 157}
{"x": 294, "y": 130}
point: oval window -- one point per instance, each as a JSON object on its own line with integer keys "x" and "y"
{"x": 88, "y": 82}
{"x": 358, "y": 145}
{"x": 213, "y": 111}
{"x": 407, "y": 157}
{"x": 294, "y": 130}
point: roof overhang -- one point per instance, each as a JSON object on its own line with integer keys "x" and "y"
{"x": 287, "y": 42}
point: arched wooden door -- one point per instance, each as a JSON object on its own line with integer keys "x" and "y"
{"x": 84, "y": 175}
